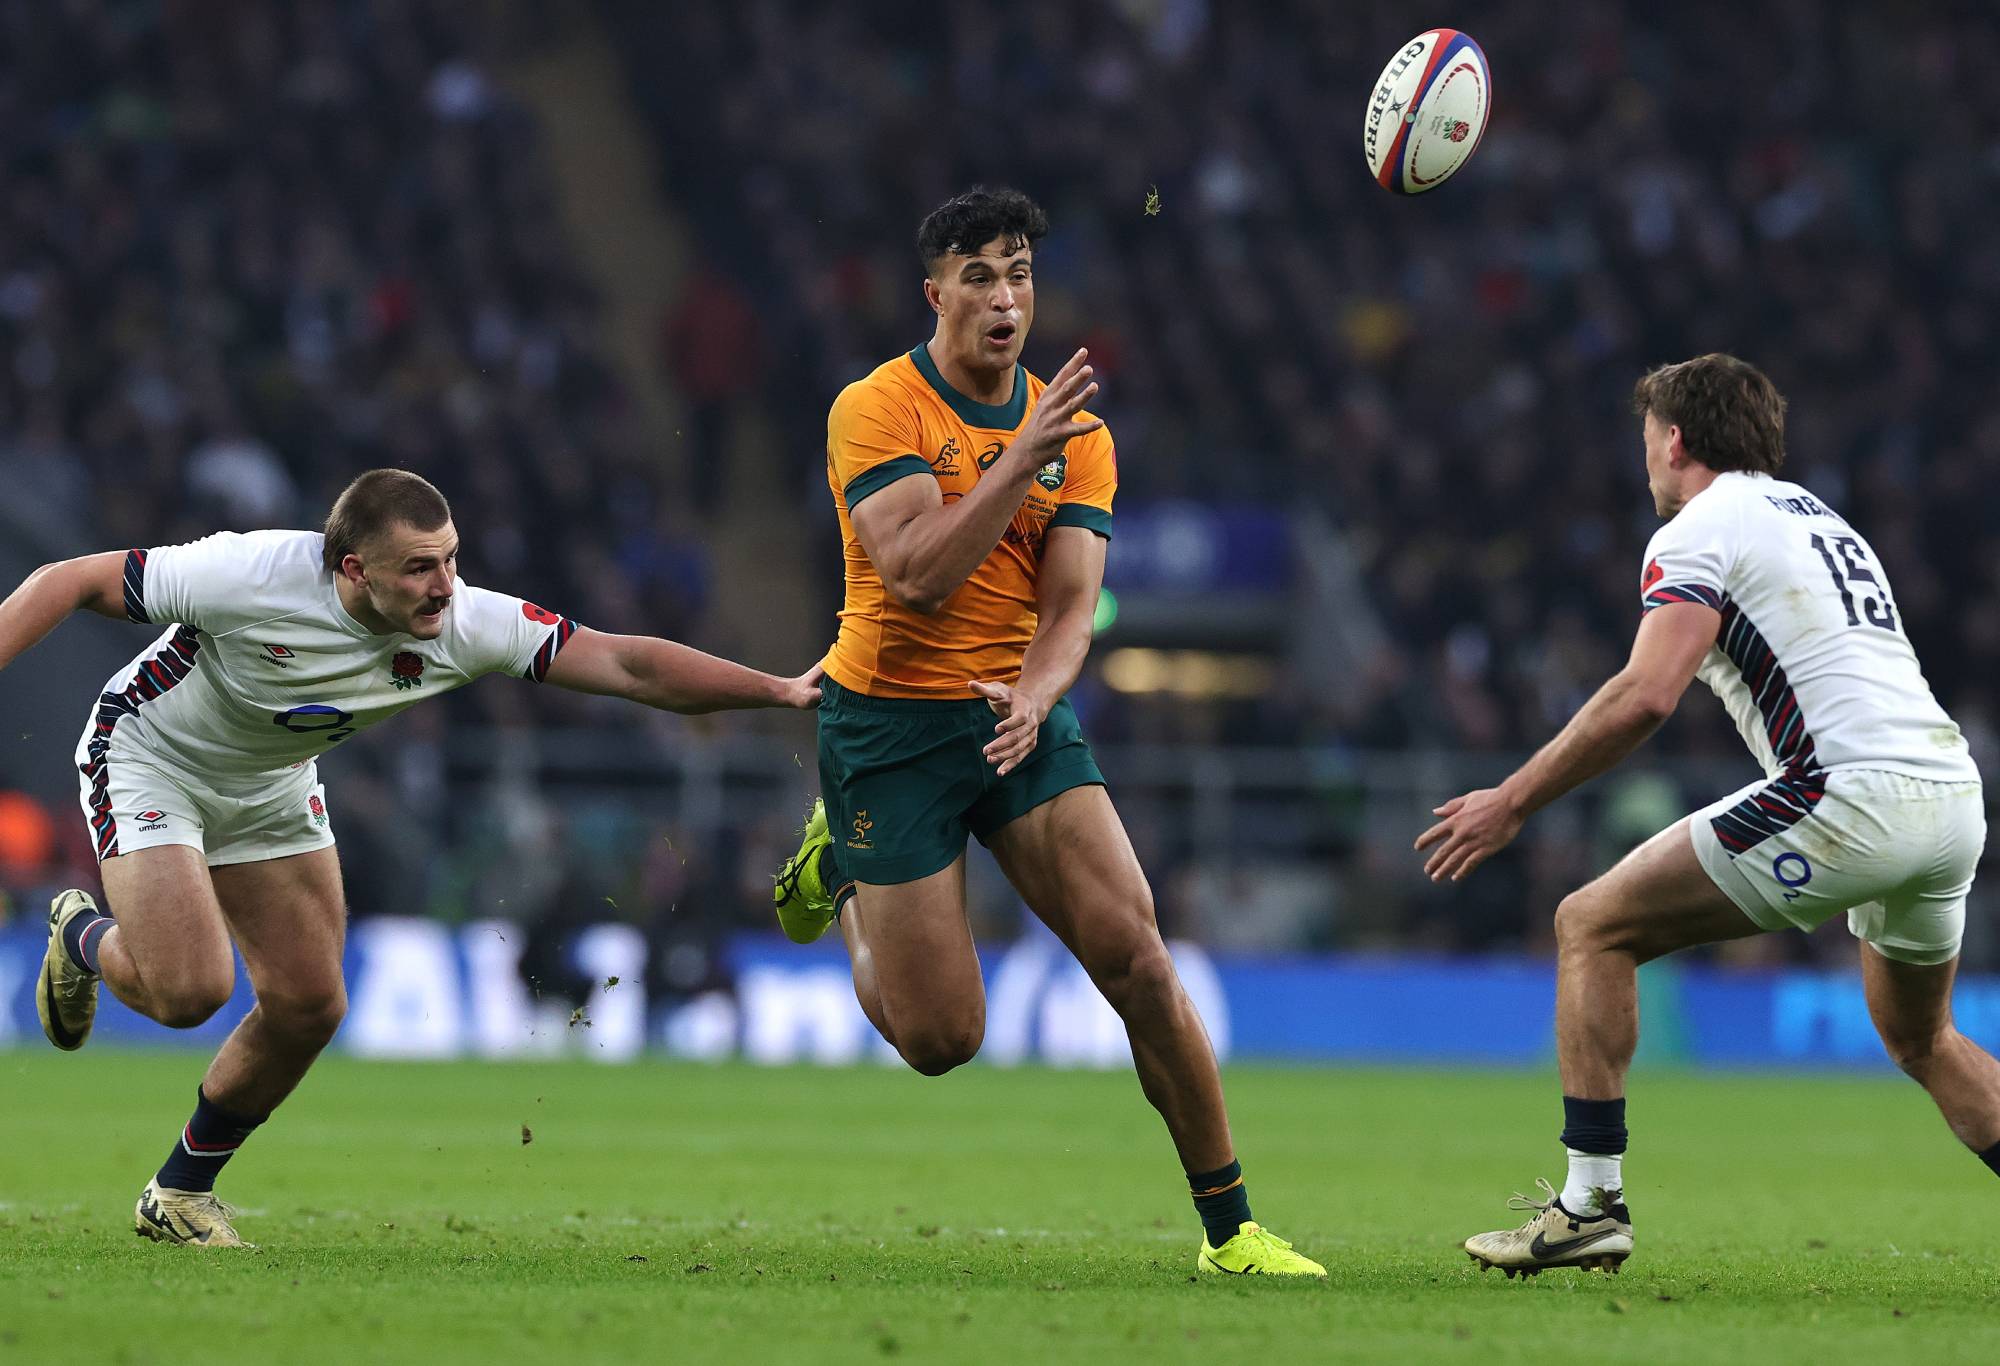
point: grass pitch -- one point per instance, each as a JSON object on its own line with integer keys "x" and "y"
{"x": 684, "y": 1213}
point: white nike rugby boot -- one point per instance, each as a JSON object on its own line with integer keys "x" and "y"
{"x": 192, "y": 1218}
{"x": 1555, "y": 1237}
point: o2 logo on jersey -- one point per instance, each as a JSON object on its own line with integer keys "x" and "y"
{"x": 540, "y": 614}
{"x": 331, "y": 724}
{"x": 1791, "y": 869}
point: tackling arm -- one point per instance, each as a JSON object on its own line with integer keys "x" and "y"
{"x": 93, "y": 583}
{"x": 673, "y": 677}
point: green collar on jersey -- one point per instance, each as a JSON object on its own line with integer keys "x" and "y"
{"x": 998, "y": 417}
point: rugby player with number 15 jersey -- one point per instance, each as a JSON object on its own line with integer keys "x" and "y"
{"x": 200, "y": 784}
{"x": 1870, "y": 805}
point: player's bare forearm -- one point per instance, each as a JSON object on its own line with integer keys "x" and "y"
{"x": 672, "y": 677}
{"x": 1671, "y": 643}
{"x": 939, "y": 549}
{"x": 1055, "y": 656}
{"x": 925, "y": 548}
{"x": 1066, "y": 595}
{"x": 1636, "y": 701}
{"x": 50, "y": 594}
{"x": 1065, "y": 610}
{"x": 1614, "y": 722}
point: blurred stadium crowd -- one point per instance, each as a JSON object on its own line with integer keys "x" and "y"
{"x": 248, "y": 250}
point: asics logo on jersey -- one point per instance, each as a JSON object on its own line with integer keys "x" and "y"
{"x": 990, "y": 454}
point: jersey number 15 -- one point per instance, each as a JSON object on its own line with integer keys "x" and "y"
{"x": 1845, "y": 553}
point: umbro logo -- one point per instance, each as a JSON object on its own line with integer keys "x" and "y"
{"x": 152, "y": 815}
{"x": 279, "y": 655}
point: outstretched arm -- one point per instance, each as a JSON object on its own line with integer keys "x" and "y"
{"x": 660, "y": 673}
{"x": 1613, "y": 723}
{"x": 94, "y": 583}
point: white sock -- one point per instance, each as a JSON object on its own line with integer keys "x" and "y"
{"x": 1588, "y": 1174}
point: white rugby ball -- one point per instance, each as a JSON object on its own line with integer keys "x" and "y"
{"x": 1427, "y": 112}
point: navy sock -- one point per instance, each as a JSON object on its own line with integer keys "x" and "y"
{"x": 830, "y": 878}
{"x": 81, "y": 938}
{"x": 1991, "y": 1157}
{"x": 829, "y": 871}
{"x": 1222, "y": 1201}
{"x": 210, "y": 1139}
{"x": 1594, "y": 1126}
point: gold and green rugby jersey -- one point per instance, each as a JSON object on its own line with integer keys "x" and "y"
{"x": 904, "y": 421}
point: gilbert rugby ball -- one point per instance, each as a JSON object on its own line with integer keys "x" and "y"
{"x": 1427, "y": 112}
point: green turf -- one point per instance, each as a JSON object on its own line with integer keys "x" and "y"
{"x": 689, "y": 1213}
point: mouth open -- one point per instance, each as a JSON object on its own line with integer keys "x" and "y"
{"x": 1000, "y": 334}
{"x": 434, "y": 613}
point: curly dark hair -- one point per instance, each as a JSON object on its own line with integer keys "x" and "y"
{"x": 1730, "y": 414}
{"x": 964, "y": 223}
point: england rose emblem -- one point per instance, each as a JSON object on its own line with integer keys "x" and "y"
{"x": 406, "y": 670}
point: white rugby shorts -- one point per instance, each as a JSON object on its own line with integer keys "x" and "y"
{"x": 1896, "y": 853}
{"x": 133, "y": 801}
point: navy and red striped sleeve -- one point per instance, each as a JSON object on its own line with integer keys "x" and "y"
{"x": 135, "y": 587}
{"x": 1666, "y": 594}
{"x": 551, "y": 646}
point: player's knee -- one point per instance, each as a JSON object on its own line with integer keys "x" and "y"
{"x": 1140, "y": 974}
{"x": 308, "y": 1016}
{"x": 1580, "y": 923}
{"x": 1914, "y": 1050}
{"x": 935, "y": 1051}
{"x": 193, "y": 1000}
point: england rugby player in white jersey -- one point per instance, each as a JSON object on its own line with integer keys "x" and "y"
{"x": 1871, "y": 804}
{"x": 200, "y": 785}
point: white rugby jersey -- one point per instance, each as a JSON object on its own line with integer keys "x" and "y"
{"x": 263, "y": 669}
{"x": 1811, "y": 660}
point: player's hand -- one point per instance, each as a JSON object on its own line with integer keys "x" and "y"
{"x": 1475, "y": 828}
{"x": 1054, "y": 420}
{"x": 803, "y": 691}
{"x": 1021, "y": 717}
